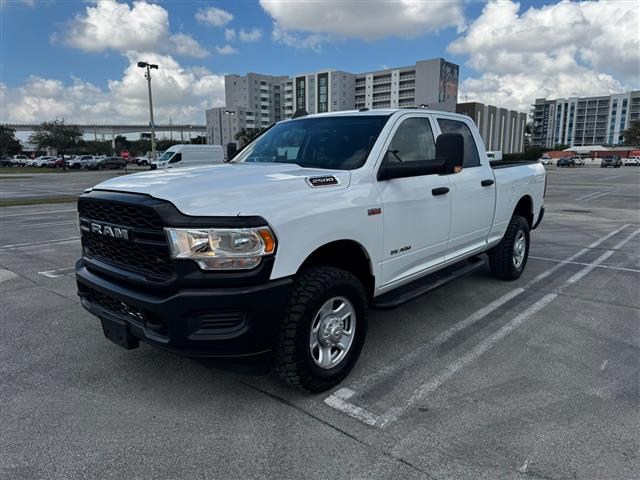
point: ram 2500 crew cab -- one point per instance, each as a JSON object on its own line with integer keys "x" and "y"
{"x": 279, "y": 253}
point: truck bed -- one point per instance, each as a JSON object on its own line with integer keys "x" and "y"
{"x": 510, "y": 163}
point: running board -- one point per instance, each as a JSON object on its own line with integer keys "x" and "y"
{"x": 425, "y": 284}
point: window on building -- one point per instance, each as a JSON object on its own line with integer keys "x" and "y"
{"x": 471, "y": 158}
{"x": 323, "y": 92}
{"x": 301, "y": 103}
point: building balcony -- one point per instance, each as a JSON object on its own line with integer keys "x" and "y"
{"x": 377, "y": 81}
{"x": 407, "y": 86}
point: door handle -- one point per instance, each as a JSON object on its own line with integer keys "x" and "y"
{"x": 487, "y": 183}
{"x": 440, "y": 191}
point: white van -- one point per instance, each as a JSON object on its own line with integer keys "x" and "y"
{"x": 189, "y": 156}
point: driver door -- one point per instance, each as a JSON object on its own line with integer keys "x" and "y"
{"x": 416, "y": 210}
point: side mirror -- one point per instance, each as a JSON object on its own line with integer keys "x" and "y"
{"x": 450, "y": 149}
{"x": 415, "y": 168}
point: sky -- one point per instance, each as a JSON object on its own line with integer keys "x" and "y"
{"x": 76, "y": 60}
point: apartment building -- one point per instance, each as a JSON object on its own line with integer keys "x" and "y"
{"x": 257, "y": 101}
{"x": 432, "y": 83}
{"x": 251, "y": 101}
{"x": 582, "y": 121}
{"x": 500, "y": 129}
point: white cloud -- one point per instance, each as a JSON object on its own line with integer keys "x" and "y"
{"x": 109, "y": 25}
{"x": 252, "y": 35}
{"x": 349, "y": 19}
{"x": 229, "y": 34}
{"x": 180, "y": 93}
{"x": 215, "y": 17}
{"x": 313, "y": 41}
{"x": 226, "y": 50}
{"x": 186, "y": 45}
{"x": 559, "y": 50}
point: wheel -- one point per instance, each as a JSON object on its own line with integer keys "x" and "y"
{"x": 323, "y": 329}
{"x": 508, "y": 259}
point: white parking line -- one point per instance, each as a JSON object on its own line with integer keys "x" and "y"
{"x": 48, "y": 242}
{"x": 50, "y": 224}
{"x": 339, "y": 399}
{"x": 60, "y": 272}
{"x": 582, "y": 263}
{"x": 600, "y": 193}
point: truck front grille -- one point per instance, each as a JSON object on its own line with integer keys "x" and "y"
{"x": 144, "y": 252}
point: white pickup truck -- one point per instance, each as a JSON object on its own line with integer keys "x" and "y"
{"x": 278, "y": 254}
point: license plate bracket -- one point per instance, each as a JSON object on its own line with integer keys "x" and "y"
{"x": 118, "y": 332}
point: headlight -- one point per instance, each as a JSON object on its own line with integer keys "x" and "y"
{"x": 222, "y": 248}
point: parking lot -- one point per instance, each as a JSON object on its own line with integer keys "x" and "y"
{"x": 533, "y": 379}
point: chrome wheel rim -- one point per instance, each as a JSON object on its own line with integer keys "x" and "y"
{"x": 332, "y": 332}
{"x": 519, "y": 249}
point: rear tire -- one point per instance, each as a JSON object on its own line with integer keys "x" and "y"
{"x": 508, "y": 259}
{"x": 307, "y": 318}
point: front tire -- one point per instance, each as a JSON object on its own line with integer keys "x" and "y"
{"x": 508, "y": 259}
{"x": 323, "y": 329}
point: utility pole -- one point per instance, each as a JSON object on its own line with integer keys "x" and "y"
{"x": 147, "y": 75}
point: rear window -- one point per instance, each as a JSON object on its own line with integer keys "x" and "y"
{"x": 341, "y": 143}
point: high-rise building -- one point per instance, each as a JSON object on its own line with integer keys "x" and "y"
{"x": 500, "y": 129}
{"x": 432, "y": 83}
{"x": 257, "y": 101}
{"x": 582, "y": 121}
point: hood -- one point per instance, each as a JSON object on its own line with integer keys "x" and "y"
{"x": 227, "y": 189}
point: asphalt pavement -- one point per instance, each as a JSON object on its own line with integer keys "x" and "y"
{"x": 480, "y": 379}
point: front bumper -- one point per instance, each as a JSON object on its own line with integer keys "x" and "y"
{"x": 239, "y": 321}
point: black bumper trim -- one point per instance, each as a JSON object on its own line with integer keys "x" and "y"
{"x": 539, "y": 218}
{"x": 184, "y": 316}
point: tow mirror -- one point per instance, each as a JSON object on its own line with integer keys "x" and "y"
{"x": 450, "y": 150}
{"x": 414, "y": 168}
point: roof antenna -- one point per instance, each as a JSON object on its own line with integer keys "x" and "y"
{"x": 301, "y": 112}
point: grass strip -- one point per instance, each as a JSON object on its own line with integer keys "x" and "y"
{"x": 14, "y": 202}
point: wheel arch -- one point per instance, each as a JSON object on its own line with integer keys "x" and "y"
{"x": 348, "y": 255}
{"x": 524, "y": 208}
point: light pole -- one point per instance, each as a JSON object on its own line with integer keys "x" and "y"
{"x": 147, "y": 75}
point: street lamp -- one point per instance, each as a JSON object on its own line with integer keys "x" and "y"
{"x": 147, "y": 75}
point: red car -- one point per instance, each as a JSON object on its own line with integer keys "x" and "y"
{"x": 56, "y": 163}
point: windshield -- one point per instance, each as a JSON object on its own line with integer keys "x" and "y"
{"x": 166, "y": 156}
{"x": 341, "y": 143}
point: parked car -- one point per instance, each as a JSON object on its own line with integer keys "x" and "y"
{"x": 566, "y": 162}
{"x": 578, "y": 161}
{"x": 632, "y": 161}
{"x": 81, "y": 161}
{"x": 5, "y": 162}
{"x": 278, "y": 254}
{"x": 545, "y": 160}
{"x": 611, "y": 161}
{"x": 19, "y": 160}
{"x": 107, "y": 163}
{"x": 40, "y": 162}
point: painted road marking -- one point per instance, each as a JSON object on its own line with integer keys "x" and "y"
{"x": 37, "y": 244}
{"x": 60, "y": 272}
{"x": 51, "y": 224}
{"x": 340, "y": 399}
{"x": 6, "y": 275}
{"x": 582, "y": 263}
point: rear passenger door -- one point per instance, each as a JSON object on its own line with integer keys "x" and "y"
{"x": 473, "y": 193}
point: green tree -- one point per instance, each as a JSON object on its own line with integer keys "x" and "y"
{"x": 245, "y": 135}
{"x": 632, "y": 134}
{"x": 9, "y": 144}
{"x": 56, "y": 135}
{"x": 560, "y": 146}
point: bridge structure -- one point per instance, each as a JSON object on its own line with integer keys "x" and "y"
{"x": 112, "y": 129}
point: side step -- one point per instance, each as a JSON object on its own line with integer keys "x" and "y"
{"x": 425, "y": 284}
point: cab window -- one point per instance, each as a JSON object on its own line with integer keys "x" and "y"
{"x": 176, "y": 158}
{"x": 471, "y": 157}
{"x": 412, "y": 141}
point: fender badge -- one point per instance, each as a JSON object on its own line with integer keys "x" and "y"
{"x": 324, "y": 181}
